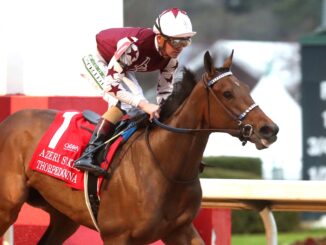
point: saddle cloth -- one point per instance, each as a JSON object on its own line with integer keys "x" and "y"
{"x": 63, "y": 143}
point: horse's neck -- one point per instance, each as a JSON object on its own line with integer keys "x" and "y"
{"x": 191, "y": 113}
{"x": 185, "y": 150}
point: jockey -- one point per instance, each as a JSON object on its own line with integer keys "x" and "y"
{"x": 120, "y": 53}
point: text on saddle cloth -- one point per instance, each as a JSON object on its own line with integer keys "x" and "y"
{"x": 63, "y": 143}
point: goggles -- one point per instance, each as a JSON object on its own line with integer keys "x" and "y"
{"x": 179, "y": 42}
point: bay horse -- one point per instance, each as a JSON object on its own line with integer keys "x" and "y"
{"x": 154, "y": 192}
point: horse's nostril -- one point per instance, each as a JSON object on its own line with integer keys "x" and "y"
{"x": 269, "y": 130}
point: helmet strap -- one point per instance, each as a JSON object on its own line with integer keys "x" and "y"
{"x": 161, "y": 47}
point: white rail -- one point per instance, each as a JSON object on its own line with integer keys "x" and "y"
{"x": 264, "y": 196}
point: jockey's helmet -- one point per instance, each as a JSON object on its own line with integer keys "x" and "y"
{"x": 174, "y": 23}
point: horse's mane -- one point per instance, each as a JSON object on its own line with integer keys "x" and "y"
{"x": 181, "y": 90}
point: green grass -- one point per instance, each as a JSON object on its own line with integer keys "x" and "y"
{"x": 283, "y": 238}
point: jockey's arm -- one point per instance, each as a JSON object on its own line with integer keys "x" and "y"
{"x": 166, "y": 81}
{"x": 116, "y": 76}
{"x": 149, "y": 108}
{"x": 114, "y": 85}
{"x": 164, "y": 89}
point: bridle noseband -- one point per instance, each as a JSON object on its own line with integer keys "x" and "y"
{"x": 245, "y": 130}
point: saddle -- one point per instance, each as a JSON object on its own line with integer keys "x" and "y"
{"x": 128, "y": 124}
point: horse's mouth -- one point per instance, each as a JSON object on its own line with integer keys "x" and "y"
{"x": 262, "y": 143}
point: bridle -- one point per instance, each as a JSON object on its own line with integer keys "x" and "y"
{"x": 245, "y": 130}
{"x": 243, "y": 133}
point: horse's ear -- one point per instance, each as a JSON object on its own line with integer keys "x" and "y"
{"x": 209, "y": 64}
{"x": 228, "y": 61}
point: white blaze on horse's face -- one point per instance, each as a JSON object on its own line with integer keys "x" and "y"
{"x": 236, "y": 82}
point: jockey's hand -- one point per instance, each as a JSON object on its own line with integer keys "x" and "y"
{"x": 149, "y": 108}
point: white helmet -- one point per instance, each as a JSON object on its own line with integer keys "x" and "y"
{"x": 175, "y": 23}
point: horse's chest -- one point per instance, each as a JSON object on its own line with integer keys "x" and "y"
{"x": 182, "y": 213}
{"x": 165, "y": 219}
{"x": 178, "y": 209}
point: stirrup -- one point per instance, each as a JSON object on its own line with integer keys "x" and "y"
{"x": 92, "y": 169}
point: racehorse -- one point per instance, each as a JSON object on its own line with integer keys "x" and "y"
{"x": 154, "y": 191}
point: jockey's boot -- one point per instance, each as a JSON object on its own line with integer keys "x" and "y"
{"x": 103, "y": 130}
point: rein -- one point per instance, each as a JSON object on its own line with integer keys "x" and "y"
{"x": 192, "y": 130}
{"x": 245, "y": 130}
{"x": 157, "y": 162}
{"x": 243, "y": 133}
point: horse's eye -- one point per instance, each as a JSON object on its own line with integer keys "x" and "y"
{"x": 228, "y": 95}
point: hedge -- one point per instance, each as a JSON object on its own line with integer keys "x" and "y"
{"x": 232, "y": 167}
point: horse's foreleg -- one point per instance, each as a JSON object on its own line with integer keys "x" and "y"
{"x": 59, "y": 229}
{"x": 13, "y": 194}
{"x": 184, "y": 236}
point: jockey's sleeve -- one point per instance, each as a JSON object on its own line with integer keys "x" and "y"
{"x": 116, "y": 82}
{"x": 166, "y": 80}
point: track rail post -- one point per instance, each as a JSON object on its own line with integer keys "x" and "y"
{"x": 270, "y": 226}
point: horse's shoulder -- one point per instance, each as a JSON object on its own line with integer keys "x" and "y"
{"x": 124, "y": 150}
{"x": 136, "y": 137}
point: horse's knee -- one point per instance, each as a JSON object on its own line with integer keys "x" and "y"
{"x": 9, "y": 211}
{"x": 7, "y": 218}
{"x": 13, "y": 191}
{"x": 10, "y": 205}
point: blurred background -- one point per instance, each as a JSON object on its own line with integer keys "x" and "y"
{"x": 280, "y": 50}
{"x": 266, "y": 38}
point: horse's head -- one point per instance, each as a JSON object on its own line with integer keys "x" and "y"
{"x": 229, "y": 99}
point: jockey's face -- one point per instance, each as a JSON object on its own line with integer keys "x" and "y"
{"x": 171, "y": 48}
